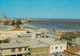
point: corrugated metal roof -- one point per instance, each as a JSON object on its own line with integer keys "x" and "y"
{"x": 53, "y": 41}
{"x": 33, "y": 43}
{"x": 72, "y": 51}
{"x": 16, "y": 29}
{"x": 26, "y": 35}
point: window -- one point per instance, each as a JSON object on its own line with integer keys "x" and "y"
{"x": 60, "y": 47}
{"x": 20, "y": 49}
{"x": 7, "y": 55}
{"x": 12, "y": 50}
{"x": 28, "y": 49}
{"x": 25, "y": 48}
{"x": 56, "y": 47}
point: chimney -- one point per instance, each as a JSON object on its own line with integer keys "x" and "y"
{"x": 54, "y": 30}
{"x": 60, "y": 35}
{"x": 50, "y": 31}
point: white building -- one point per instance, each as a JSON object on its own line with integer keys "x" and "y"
{"x": 28, "y": 35}
{"x": 55, "y": 45}
{"x": 16, "y": 31}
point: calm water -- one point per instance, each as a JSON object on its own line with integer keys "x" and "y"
{"x": 57, "y": 23}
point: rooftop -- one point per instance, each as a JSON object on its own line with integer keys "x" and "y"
{"x": 16, "y": 29}
{"x": 27, "y": 35}
{"x": 12, "y": 45}
{"x": 72, "y": 51}
{"x": 71, "y": 35}
{"x": 52, "y": 41}
{"x": 31, "y": 43}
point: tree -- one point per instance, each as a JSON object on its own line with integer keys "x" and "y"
{"x": 0, "y": 41}
{"x": 17, "y": 24}
{"x": 6, "y": 22}
{"x": 13, "y": 23}
{"x": 6, "y": 41}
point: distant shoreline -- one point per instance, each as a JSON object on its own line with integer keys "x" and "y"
{"x": 73, "y": 25}
{"x": 50, "y": 29}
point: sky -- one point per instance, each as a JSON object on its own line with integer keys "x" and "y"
{"x": 61, "y": 9}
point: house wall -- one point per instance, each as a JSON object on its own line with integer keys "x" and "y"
{"x": 60, "y": 48}
{"x": 60, "y": 54}
{"x": 77, "y": 41}
{"x": 5, "y": 34}
{"x": 43, "y": 51}
{"x": 40, "y": 51}
{"x": 5, "y": 52}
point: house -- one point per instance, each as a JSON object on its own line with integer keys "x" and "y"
{"x": 55, "y": 45}
{"x": 38, "y": 48}
{"x": 32, "y": 48}
{"x": 13, "y": 49}
{"x": 73, "y": 39}
{"x": 42, "y": 47}
{"x": 28, "y": 35}
{"x": 2, "y": 27}
{"x": 11, "y": 33}
{"x": 70, "y": 52}
{"x": 22, "y": 38}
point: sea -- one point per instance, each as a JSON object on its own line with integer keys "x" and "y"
{"x": 59, "y": 24}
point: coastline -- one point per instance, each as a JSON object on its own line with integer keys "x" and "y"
{"x": 31, "y": 26}
{"x": 34, "y": 27}
{"x": 70, "y": 25}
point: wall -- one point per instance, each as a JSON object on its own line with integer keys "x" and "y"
{"x": 40, "y": 51}
{"x": 52, "y": 48}
{"x": 5, "y": 34}
{"x": 8, "y": 51}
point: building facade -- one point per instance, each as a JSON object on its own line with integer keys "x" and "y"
{"x": 5, "y": 34}
{"x": 16, "y": 50}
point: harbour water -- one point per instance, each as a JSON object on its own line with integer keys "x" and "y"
{"x": 59, "y": 24}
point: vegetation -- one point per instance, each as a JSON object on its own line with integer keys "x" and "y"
{"x": 20, "y": 22}
{"x": 17, "y": 24}
{"x": 0, "y": 41}
{"x": 13, "y": 22}
{"x": 6, "y": 22}
{"x": 0, "y": 21}
{"x": 4, "y": 41}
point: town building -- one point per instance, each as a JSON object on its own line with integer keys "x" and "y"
{"x": 70, "y": 52}
{"x": 55, "y": 45}
{"x": 11, "y": 33}
{"x": 42, "y": 47}
{"x": 32, "y": 48}
{"x": 13, "y": 49}
{"x": 72, "y": 38}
